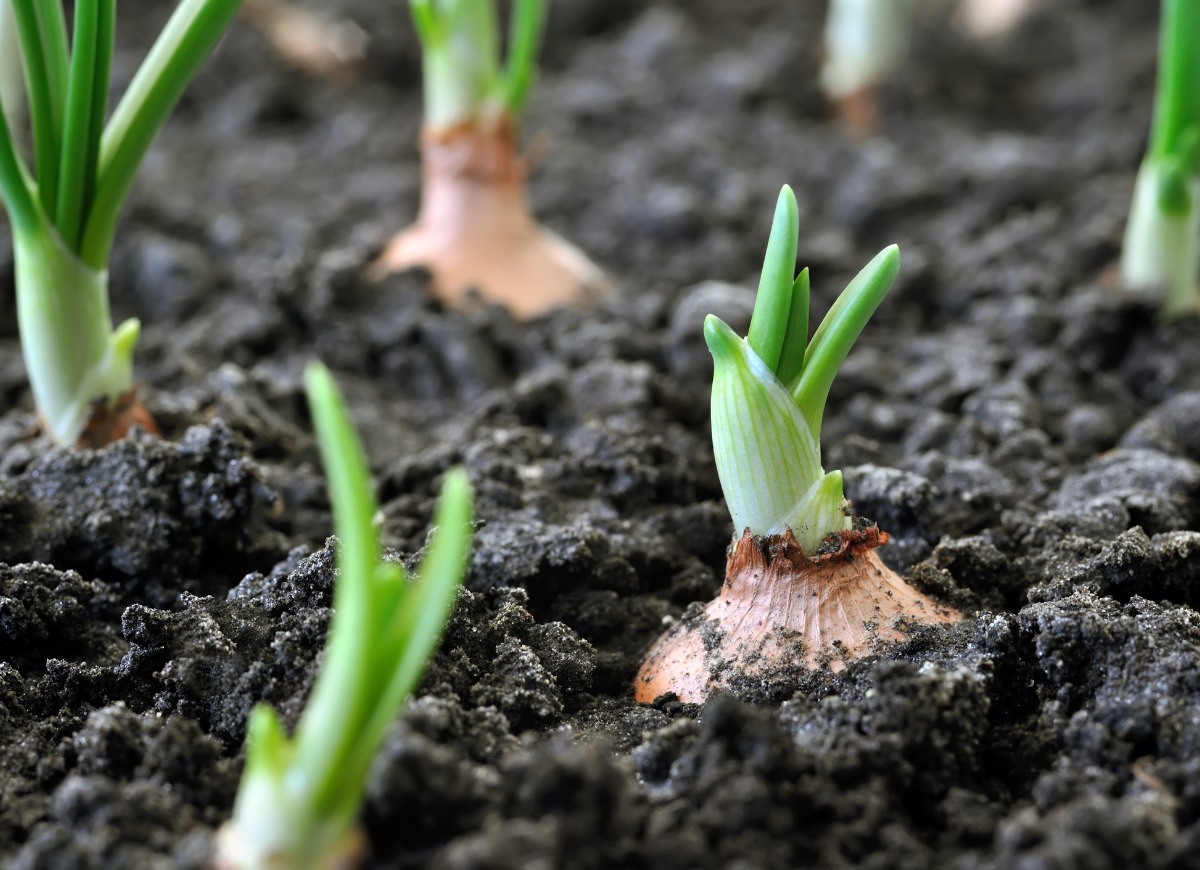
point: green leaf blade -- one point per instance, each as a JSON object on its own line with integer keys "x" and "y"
{"x": 384, "y": 628}
{"x": 425, "y": 20}
{"x": 772, "y": 305}
{"x": 419, "y": 621}
{"x": 350, "y": 488}
{"x": 795, "y": 339}
{"x": 42, "y": 33}
{"x": 1177, "y": 94}
{"x": 87, "y": 97}
{"x": 525, "y": 36}
{"x": 342, "y": 696}
{"x": 16, "y": 185}
{"x": 185, "y": 43}
{"x": 839, "y": 330}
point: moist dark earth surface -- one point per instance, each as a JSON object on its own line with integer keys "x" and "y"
{"x": 1026, "y": 430}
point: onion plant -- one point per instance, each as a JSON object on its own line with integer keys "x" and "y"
{"x": 865, "y": 41}
{"x": 1162, "y": 238}
{"x": 770, "y": 388}
{"x": 64, "y": 210}
{"x": 475, "y": 231}
{"x": 803, "y": 583}
{"x": 299, "y": 797}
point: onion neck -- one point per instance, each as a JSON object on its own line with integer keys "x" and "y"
{"x": 473, "y": 182}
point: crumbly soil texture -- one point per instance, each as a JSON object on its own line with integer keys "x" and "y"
{"x": 1026, "y": 430}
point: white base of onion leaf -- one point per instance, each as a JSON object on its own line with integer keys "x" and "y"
{"x": 865, "y": 40}
{"x": 244, "y": 847}
{"x": 457, "y": 88}
{"x": 765, "y": 450}
{"x": 273, "y": 824}
{"x": 1161, "y": 249}
{"x": 72, "y": 354}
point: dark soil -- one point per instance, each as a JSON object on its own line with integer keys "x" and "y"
{"x": 1027, "y": 432}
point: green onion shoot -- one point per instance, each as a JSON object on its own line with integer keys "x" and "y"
{"x": 1162, "y": 238}
{"x": 463, "y": 77}
{"x": 802, "y": 572}
{"x": 475, "y": 231}
{"x": 299, "y": 797}
{"x": 64, "y": 210}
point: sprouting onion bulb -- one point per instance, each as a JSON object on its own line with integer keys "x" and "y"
{"x": 299, "y": 798}
{"x": 64, "y": 212}
{"x": 770, "y": 389}
{"x": 804, "y": 585}
{"x": 475, "y": 232}
{"x": 1162, "y": 238}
